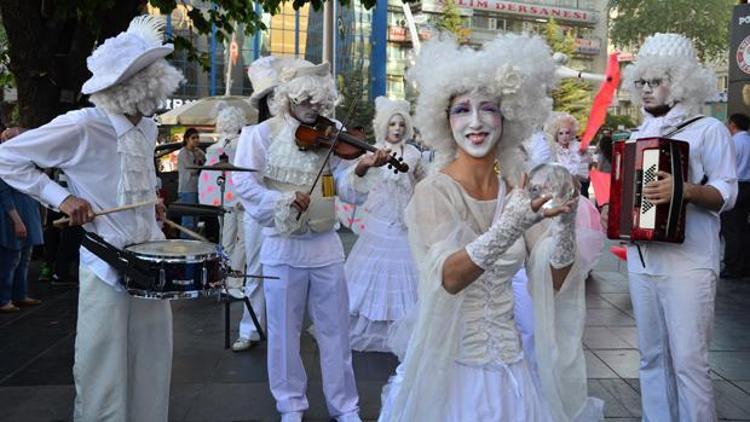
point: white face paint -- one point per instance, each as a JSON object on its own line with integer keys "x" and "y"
{"x": 655, "y": 90}
{"x": 476, "y": 122}
{"x": 396, "y": 129}
{"x": 565, "y": 135}
{"x": 305, "y": 111}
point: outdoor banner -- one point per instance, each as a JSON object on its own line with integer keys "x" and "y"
{"x": 739, "y": 61}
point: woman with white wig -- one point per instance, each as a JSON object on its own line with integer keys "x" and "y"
{"x": 562, "y": 129}
{"x": 380, "y": 271}
{"x": 472, "y": 225}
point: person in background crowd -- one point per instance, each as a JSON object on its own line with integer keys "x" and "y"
{"x": 673, "y": 285}
{"x": 190, "y": 155}
{"x": 562, "y": 129}
{"x": 734, "y": 224}
{"x": 380, "y": 271}
{"x": 123, "y": 345}
{"x": 20, "y": 231}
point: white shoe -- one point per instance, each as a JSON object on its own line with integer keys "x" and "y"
{"x": 349, "y": 417}
{"x": 242, "y": 344}
{"x": 291, "y": 417}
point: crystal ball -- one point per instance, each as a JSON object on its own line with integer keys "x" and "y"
{"x": 552, "y": 179}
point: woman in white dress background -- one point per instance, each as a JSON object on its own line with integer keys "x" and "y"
{"x": 562, "y": 129}
{"x": 381, "y": 274}
{"x": 470, "y": 230}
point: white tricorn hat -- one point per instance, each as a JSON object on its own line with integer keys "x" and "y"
{"x": 121, "y": 57}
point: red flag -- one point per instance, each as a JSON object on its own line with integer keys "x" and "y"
{"x": 601, "y": 182}
{"x": 602, "y": 101}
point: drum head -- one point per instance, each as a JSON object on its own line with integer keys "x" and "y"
{"x": 173, "y": 248}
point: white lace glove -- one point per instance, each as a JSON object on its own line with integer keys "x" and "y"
{"x": 564, "y": 238}
{"x": 515, "y": 219}
{"x": 285, "y": 216}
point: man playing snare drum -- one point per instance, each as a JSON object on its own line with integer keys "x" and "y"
{"x": 123, "y": 348}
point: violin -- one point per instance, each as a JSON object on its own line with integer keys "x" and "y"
{"x": 347, "y": 145}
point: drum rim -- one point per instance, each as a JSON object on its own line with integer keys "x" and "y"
{"x": 186, "y": 258}
{"x": 173, "y": 295}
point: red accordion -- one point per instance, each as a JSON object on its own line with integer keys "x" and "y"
{"x": 634, "y": 164}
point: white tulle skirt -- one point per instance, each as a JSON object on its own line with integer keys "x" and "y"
{"x": 483, "y": 394}
{"x": 382, "y": 282}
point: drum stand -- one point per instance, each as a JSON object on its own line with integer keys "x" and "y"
{"x": 221, "y": 182}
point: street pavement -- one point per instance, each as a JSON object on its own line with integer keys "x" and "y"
{"x": 210, "y": 383}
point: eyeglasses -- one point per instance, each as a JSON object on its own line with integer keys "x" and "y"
{"x": 653, "y": 83}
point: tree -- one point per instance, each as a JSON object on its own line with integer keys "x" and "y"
{"x": 572, "y": 96}
{"x": 705, "y": 22}
{"x": 451, "y": 21}
{"x": 49, "y": 41}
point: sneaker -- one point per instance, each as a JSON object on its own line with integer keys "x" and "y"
{"x": 26, "y": 302}
{"x": 242, "y": 344}
{"x": 9, "y": 308}
{"x": 45, "y": 273}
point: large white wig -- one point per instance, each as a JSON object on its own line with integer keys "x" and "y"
{"x": 301, "y": 80}
{"x": 384, "y": 110}
{"x": 516, "y": 68}
{"x": 672, "y": 57}
{"x": 229, "y": 119}
{"x": 142, "y": 93}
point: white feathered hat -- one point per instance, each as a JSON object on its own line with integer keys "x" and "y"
{"x": 385, "y": 109}
{"x": 121, "y": 57}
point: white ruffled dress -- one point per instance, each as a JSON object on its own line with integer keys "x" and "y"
{"x": 381, "y": 274}
{"x": 463, "y": 359}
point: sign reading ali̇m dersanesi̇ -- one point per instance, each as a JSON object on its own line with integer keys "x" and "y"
{"x": 521, "y": 9}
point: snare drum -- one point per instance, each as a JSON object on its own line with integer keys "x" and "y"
{"x": 182, "y": 269}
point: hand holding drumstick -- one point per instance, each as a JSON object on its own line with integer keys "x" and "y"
{"x": 79, "y": 210}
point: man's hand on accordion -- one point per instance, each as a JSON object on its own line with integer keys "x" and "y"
{"x": 659, "y": 191}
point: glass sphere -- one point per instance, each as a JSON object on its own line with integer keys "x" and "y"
{"x": 552, "y": 179}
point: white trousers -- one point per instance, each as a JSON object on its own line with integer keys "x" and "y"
{"x": 253, "y": 239}
{"x": 674, "y": 317}
{"x": 233, "y": 239}
{"x": 123, "y": 355}
{"x": 323, "y": 291}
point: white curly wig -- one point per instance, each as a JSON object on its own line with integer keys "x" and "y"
{"x": 229, "y": 119}
{"x": 557, "y": 120}
{"x": 516, "y": 68}
{"x": 142, "y": 93}
{"x": 384, "y": 110}
{"x": 671, "y": 56}
{"x": 300, "y": 81}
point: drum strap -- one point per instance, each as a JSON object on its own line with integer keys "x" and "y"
{"x": 123, "y": 261}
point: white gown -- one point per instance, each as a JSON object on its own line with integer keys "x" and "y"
{"x": 464, "y": 359}
{"x": 381, "y": 274}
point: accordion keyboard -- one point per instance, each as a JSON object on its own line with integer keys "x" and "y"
{"x": 647, "y": 210}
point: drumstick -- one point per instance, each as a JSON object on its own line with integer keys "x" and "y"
{"x": 64, "y": 220}
{"x": 186, "y": 230}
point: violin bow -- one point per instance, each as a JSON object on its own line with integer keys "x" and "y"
{"x": 349, "y": 113}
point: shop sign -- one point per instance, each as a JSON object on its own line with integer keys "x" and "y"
{"x": 590, "y": 46}
{"x": 397, "y": 34}
{"x": 520, "y": 9}
{"x": 172, "y": 103}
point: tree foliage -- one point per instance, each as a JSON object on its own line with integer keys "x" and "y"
{"x": 572, "y": 96}
{"x": 451, "y": 21}
{"x": 49, "y": 41}
{"x": 705, "y": 22}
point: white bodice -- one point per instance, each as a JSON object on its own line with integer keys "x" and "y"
{"x": 489, "y": 335}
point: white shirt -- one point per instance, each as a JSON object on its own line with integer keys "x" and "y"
{"x": 742, "y": 145}
{"x": 712, "y": 155}
{"x": 83, "y": 144}
{"x": 309, "y": 250}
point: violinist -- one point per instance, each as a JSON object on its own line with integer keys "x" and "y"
{"x": 300, "y": 245}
